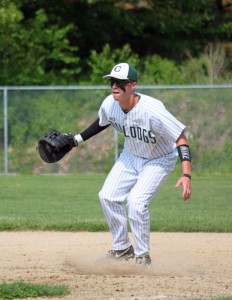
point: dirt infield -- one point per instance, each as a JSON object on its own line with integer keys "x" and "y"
{"x": 185, "y": 265}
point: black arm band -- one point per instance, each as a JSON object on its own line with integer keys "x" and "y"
{"x": 187, "y": 175}
{"x": 184, "y": 152}
{"x": 92, "y": 130}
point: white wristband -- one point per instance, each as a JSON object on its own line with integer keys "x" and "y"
{"x": 78, "y": 138}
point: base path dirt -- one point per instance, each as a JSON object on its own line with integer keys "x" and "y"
{"x": 185, "y": 265}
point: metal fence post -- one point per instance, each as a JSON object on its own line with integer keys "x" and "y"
{"x": 5, "y": 130}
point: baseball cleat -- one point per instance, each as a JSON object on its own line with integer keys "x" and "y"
{"x": 143, "y": 261}
{"x": 121, "y": 255}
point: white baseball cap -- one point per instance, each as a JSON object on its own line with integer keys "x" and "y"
{"x": 123, "y": 71}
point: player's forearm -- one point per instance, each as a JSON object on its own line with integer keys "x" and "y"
{"x": 92, "y": 130}
{"x": 186, "y": 167}
{"x": 184, "y": 154}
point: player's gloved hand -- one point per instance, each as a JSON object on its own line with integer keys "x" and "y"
{"x": 71, "y": 138}
{"x": 54, "y": 145}
{"x": 63, "y": 139}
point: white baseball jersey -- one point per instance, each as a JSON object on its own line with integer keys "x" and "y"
{"x": 150, "y": 131}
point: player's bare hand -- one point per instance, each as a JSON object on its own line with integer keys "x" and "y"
{"x": 187, "y": 189}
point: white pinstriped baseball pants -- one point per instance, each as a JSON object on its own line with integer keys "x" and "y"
{"x": 136, "y": 180}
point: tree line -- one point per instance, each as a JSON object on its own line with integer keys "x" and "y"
{"x": 70, "y": 42}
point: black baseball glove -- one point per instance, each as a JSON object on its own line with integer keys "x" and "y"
{"x": 54, "y": 145}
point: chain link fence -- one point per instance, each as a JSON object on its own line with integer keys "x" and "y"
{"x": 27, "y": 113}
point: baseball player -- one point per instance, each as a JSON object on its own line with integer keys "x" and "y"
{"x": 153, "y": 140}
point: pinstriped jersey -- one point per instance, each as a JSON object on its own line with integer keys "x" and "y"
{"x": 150, "y": 130}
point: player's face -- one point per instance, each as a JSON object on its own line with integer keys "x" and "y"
{"x": 121, "y": 88}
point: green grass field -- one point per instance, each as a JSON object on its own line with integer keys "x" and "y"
{"x": 20, "y": 289}
{"x": 70, "y": 203}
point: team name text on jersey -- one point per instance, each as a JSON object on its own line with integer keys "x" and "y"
{"x": 136, "y": 133}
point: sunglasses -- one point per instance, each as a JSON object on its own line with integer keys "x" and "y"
{"x": 119, "y": 82}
